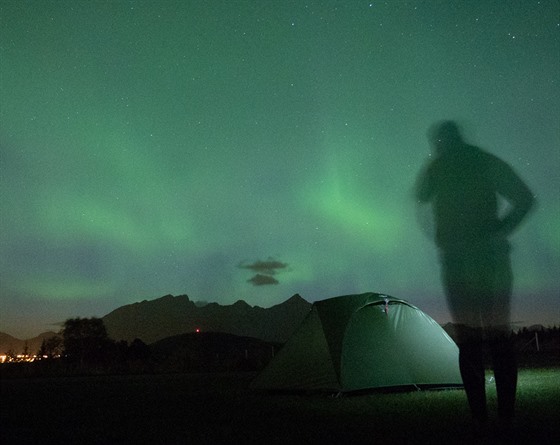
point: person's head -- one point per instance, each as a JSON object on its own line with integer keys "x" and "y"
{"x": 444, "y": 135}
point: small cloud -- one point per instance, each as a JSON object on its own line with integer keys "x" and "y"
{"x": 268, "y": 267}
{"x": 262, "y": 280}
{"x": 264, "y": 271}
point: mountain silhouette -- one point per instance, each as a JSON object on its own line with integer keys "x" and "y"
{"x": 17, "y": 346}
{"x": 170, "y": 315}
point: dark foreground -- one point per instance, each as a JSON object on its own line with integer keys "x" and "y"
{"x": 221, "y": 409}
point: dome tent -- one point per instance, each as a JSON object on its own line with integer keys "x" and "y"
{"x": 365, "y": 341}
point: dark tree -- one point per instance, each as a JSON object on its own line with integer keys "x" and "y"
{"x": 138, "y": 350}
{"x": 51, "y": 347}
{"x": 85, "y": 340}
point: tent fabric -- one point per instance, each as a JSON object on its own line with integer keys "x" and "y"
{"x": 365, "y": 341}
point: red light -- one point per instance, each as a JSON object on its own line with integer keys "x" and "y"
{"x": 197, "y": 330}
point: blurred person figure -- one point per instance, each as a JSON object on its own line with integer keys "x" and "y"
{"x": 477, "y": 201}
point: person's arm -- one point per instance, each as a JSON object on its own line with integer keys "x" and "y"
{"x": 423, "y": 188}
{"x": 518, "y": 195}
{"x": 423, "y": 195}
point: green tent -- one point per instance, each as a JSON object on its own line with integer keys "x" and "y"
{"x": 365, "y": 341}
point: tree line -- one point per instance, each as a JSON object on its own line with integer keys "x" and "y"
{"x": 83, "y": 346}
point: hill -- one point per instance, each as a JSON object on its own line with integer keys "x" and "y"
{"x": 17, "y": 346}
{"x": 210, "y": 352}
{"x": 170, "y": 315}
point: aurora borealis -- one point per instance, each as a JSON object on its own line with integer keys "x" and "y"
{"x": 256, "y": 149}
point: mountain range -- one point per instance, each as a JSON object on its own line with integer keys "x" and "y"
{"x": 17, "y": 346}
{"x": 167, "y": 316}
{"x": 154, "y": 320}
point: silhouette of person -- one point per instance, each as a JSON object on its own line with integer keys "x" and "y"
{"x": 468, "y": 189}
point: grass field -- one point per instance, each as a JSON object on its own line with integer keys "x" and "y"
{"x": 219, "y": 408}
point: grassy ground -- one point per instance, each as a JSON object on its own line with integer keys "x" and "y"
{"x": 219, "y": 408}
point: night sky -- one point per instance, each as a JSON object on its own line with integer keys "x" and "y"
{"x": 256, "y": 149}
